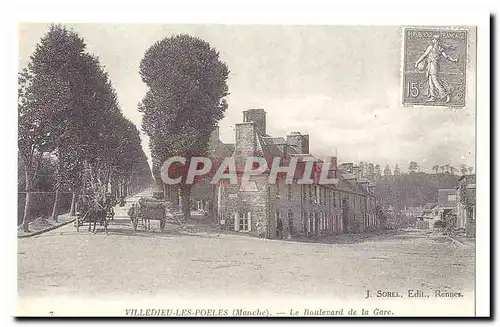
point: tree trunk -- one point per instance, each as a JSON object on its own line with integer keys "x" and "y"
{"x": 26, "y": 216}
{"x": 186, "y": 201}
{"x": 54, "y": 208}
{"x": 72, "y": 208}
{"x": 58, "y": 185}
{"x": 174, "y": 197}
{"x": 30, "y": 174}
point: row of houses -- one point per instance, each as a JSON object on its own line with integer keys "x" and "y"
{"x": 309, "y": 210}
{"x": 455, "y": 208}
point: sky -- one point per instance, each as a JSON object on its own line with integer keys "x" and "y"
{"x": 339, "y": 84}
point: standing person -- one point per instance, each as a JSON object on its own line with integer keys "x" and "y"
{"x": 437, "y": 87}
{"x": 279, "y": 228}
{"x": 132, "y": 213}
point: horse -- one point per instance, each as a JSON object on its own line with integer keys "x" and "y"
{"x": 98, "y": 215}
{"x": 95, "y": 212}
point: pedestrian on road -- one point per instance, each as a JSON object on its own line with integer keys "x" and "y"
{"x": 279, "y": 228}
{"x": 132, "y": 212}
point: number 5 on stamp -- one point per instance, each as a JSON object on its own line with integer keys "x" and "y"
{"x": 434, "y": 67}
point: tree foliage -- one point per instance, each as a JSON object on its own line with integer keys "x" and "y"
{"x": 68, "y": 107}
{"x": 185, "y": 100}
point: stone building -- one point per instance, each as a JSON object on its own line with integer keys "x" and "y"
{"x": 466, "y": 204}
{"x": 305, "y": 209}
{"x": 447, "y": 206}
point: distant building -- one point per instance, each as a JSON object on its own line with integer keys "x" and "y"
{"x": 447, "y": 207}
{"x": 442, "y": 214}
{"x": 428, "y": 217}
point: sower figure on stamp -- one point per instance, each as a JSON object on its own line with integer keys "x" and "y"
{"x": 437, "y": 88}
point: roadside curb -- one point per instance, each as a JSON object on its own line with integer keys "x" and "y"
{"x": 46, "y": 229}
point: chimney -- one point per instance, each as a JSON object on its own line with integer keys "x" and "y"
{"x": 246, "y": 142}
{"x": 299, "y": 141}
{"x": 258, "y": 116}
{"x": 332, "y": 171}
{"x": 214, "y": 136}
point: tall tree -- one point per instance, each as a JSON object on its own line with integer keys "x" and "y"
{"x": 435, "y": 168}
{"x": 442, "y": 168}
{"x": 187, "y": 85}
{"x": 56, "y": 61}
{"x": 413, "y": 167}
{"x": 33, "y": 133}
{"x": 387, "y": 171}
{"x": 397, "y": 171}
{"x": 42, "y": 99}
{"x": 378, "y": 172}
{"x": 68, "y": 107}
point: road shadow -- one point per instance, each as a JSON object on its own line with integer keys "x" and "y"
{"x": 352, "y": 238}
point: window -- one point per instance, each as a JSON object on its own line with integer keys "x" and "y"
{"x": 334, "y": 200}
{"x": 242, "y": 221}
{"x": 452, "y": 197}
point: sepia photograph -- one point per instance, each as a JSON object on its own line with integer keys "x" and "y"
{"x": 251, "y": 170}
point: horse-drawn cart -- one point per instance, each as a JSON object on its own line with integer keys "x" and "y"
{"x": 92, "y": 209}
{"x": 149, "y": 209}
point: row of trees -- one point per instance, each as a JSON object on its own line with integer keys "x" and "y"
{"x": 68, "y": 108}
{"x": 185, "y": 100}
{"x": 413, "y": 189}
{"x": 375, "y": 172}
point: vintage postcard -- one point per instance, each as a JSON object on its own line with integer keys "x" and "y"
{"x": 218, "y": 170}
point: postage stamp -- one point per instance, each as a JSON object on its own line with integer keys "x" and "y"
{"x": 435, "y": 62}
